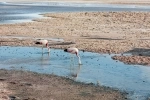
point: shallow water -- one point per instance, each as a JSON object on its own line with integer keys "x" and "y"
{"x": 25, "y": 12}
{"x": 96, "y": 67}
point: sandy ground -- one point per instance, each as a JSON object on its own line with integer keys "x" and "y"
{"x": 102, "y": 32}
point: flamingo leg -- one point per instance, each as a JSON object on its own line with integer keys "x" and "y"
{"x": 42, "y": 49}
{"x": 48, "y": 49}
{"x": 71, "y": 60}
{"x": 48, "y": 54}
{"x": 79, "y": 59}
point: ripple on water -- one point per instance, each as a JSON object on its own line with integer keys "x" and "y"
{"x": 96, "y": 68}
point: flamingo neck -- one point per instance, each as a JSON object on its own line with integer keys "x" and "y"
{"x": 78, "y": 58}
{"x": 48, "y": 47}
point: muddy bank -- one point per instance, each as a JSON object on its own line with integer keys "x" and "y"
{"x": 25, "y": 85}
{"x": 137, "y": 60}
{"x": 137, "y": 56}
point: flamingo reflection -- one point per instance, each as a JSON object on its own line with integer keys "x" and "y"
{"x": 45, "y": 59}
{"x": 74, "y": 71}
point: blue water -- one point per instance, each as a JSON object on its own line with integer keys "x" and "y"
{"x": 100, "y": 68}
{"x": 25, "y": 12}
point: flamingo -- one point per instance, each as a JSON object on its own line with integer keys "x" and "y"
{"x": 43, "y": 42}
{"x": 73, "y": 50}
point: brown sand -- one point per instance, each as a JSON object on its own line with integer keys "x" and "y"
{"x": 32, "y": 86}
{"x": 102, "y": 32}
{"x": 3, "y": 91}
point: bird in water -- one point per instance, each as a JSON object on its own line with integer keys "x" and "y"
{"x": 43, "y": 42}
{"x": 74, "y": 50}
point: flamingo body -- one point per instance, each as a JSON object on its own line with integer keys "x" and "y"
{"x": 74, "y": 51}
{"x": 43, "y": 42}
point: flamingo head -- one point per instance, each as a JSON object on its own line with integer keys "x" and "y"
{"x": 37, "y": 43}
{"x": 65, "y": 50}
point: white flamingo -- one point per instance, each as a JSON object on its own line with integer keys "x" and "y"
{"x": 74, "y": 51}
{"x": 43, "y": 42}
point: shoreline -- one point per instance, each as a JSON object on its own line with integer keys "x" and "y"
{"x": 90, "y": 34}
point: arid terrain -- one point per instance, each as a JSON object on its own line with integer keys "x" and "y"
{"x": 102, "y": 32}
